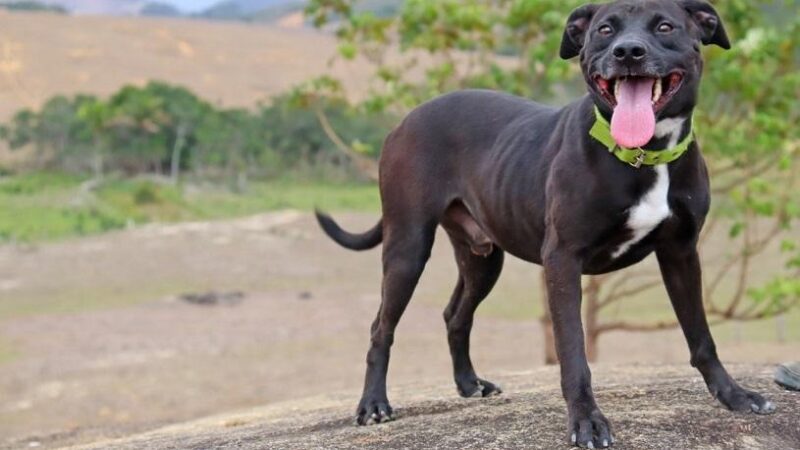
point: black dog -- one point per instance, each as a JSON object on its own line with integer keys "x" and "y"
{"x": 587, "y": 189}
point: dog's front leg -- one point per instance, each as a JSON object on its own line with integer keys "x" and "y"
{"x": 680, "y": 269}
{"x": 587, "y": 425}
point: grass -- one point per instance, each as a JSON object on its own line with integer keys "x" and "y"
{"x": 517, "y": 297}
{"x": 512, "y": 303}
{"x": 45, "y": 206}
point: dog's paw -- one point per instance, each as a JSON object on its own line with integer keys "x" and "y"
{"x": 373, "y": 411}
{"x": 736, "y": 398}
{"x": 477, "y": 388}
{"x": 590, "y": 430}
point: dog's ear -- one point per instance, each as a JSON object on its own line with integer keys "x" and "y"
{"x": 705, "y": 16}
{"x": 575, "y": 31}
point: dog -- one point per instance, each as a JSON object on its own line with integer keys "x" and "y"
{"x": 590, "y": 188}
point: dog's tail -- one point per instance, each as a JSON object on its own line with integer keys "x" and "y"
{"x": 364, "y": 241}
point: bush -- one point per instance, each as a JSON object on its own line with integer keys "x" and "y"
{"x": 146, "y": 193}
{"x": 167, "y": 130}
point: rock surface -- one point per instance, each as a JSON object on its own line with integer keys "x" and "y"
{"x": 651, "y": 407}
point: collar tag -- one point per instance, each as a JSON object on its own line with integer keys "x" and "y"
{"x": 637, "y": 163}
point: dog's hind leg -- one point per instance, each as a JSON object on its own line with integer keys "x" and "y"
{"x": 477, "y": 276}
{"x": 406, "y": 249}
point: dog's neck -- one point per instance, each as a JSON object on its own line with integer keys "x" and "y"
{"x": 669, "y": 130}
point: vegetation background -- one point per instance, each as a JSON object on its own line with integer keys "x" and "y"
{"x": 163, "y": 115}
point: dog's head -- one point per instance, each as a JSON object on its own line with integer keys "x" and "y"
{"x": 641, "y": 59}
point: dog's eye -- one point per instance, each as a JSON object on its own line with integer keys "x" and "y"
{"x": 665, "y": 27}
{"x": 605, "y": 30}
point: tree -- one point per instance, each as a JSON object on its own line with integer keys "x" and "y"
{"x": 57, "y": 133}
{"x": 161, "y": 128}
{"x": 747, "y": 122}
{"x": 182, "y": 113}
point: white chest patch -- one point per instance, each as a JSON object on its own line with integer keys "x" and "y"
{"x": 651, "y": 210}
{"x": 653, "y": 207}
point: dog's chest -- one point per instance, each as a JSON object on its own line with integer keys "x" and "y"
{"x": 653, "y": 207}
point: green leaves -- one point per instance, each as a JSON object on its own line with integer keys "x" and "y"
{"x": 348, "y": 50}
{"x": 465, "y": 41}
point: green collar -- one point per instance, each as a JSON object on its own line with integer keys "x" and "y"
{"x": 636, "y": 157}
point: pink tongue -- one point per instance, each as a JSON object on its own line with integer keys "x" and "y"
{"x": 634, "y": 122}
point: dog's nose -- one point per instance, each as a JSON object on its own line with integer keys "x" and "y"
{"x": 630, "y": 51}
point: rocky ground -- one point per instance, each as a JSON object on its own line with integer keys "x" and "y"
{"x": 651, "y": 407}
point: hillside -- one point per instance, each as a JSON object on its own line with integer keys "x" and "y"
{"x": 237, "y": 8}
{"x": 656, "y": 407}
{"x": 98, "y": 6}
{"x": 232, "y": 64}
{"x": 132, "y": 7}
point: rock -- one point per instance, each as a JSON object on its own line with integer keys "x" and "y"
{"x": 214, "y": 298}
{"x": 650, "y": 407}
{"x": 788, "y": 376}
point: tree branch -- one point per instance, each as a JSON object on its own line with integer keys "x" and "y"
{"x": 627, "y": 326}
{"x": 725, "y": 188}
{"x": 365, "y": 165}
{"x": 615, "y": 294}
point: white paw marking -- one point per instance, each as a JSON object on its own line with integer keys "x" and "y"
{"x": 652, "y": 208}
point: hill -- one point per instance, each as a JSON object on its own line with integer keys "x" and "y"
{"x": 159, "y": 9}
{"x": 653, "y": 408}
{"x": 234, "y": 9}
{"x": 223, "y": 9}
{"x": 116, "y": 7}
{"x": 273, "y": 10}
{"x": 231, "y": 64}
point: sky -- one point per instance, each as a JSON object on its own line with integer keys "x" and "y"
{"x": 191, "y": 5}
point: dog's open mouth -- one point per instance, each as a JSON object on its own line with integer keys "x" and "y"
{"x": 662, "y": 92}
{"x": 636, "y": 100}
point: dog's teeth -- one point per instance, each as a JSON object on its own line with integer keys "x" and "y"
{"x": 656, "y": 91}
{"x": 617, "y": 88}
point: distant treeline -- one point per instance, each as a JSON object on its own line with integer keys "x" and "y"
{"x": 31, "y": 5}
{"x": 167, "y": 130}
{"x": 271, "y": 10}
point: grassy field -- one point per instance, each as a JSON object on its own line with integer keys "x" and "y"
{"x": 45, "y": 206}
